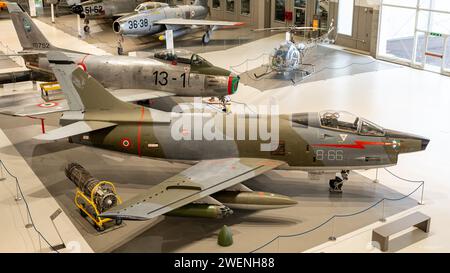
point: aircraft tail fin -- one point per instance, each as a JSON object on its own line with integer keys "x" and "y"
{"x": 203, "y": 3}
{"x": 83, "y": 92}
{"x": 30, "y": 36}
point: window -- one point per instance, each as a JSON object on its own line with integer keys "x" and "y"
{"x": 230, "y": 5}
{"x": 245, "y": 7}
{"x": 339, "y": 120}
{"x": 300, "y": 3}
{"x": 345, "y": 17}
{"x": 280, "y": 8}
{"x": 216, "y": 4}
{"x": 370, "y": 129}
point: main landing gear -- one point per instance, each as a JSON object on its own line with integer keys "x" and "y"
{"x": 337, "y": 183}
{"x": 86, "y": 27}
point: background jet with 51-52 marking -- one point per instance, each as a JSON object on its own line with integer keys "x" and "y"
{"x": 325, "y": 142}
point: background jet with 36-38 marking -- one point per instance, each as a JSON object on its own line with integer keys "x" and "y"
{"x": 151, "y": 18}
{"x": 164, "y": 74}
{"x": 331, "y": 142}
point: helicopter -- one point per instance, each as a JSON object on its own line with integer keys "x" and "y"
{"x": 289, "y": 55}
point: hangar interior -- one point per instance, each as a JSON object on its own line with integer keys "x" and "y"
{"x": 385, "y": 60}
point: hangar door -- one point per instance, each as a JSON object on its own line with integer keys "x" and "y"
{"x": 416, "y": 33}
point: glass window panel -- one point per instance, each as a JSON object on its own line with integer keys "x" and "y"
{"x": 300, "y": 3}
{"x": 216, "y": 4}
{"x": 441, "y": 5}
{"x": 403, "y": 3}
{"x": 280, "y": 8}
{"x": 440, "y": 23}
{"x": 345, "y": 17}
{"x": 245, "y": 7}
{"x": 230, "y": 5}
{"x": 397, "y": 32}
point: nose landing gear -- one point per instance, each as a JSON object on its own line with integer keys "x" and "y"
{"x": 86, "y": 27}
{"x": 337, "y": 183}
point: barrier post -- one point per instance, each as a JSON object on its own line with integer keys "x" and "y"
{"x": 376, "y": 177}
{"x": 18, "y": 197}
{"x": 332, "y": 237}
{"x": 421, "y": 195}
{"x": 2, "y": 174}
{"x": 383, "y": 219}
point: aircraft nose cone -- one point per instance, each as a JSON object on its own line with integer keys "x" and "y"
{"x": 407, "y": 143}
{"x": 77, "y": 9}
{"x": 233, "y": 84}
{"x": 425, "y": 143}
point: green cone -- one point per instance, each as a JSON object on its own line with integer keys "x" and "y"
{"x": 225, "y": 236}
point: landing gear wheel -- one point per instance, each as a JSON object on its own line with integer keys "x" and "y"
{"x": 119, "y": 50}
{"x": 86, "y": 29}
{"x": 118, "y": 222}
{"x": 336, "y": 185}
{"x": 206, "y": 38}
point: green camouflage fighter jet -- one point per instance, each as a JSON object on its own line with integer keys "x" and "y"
{"x": 327, "y": 142}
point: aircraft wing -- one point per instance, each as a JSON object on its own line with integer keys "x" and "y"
{"x": 74, "y": 129}
{"x": 132, "y": 95}
{"x": 193, "y": 22}
{"x": 35, "y": 109}
{"x": 34, "y": 105}
{"x": 199, "y": 181}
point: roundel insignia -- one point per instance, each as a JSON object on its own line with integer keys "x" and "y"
{"x": 125, "y": 142}
{"x": 82, "y": 66}
{"x": 48, "y": 104}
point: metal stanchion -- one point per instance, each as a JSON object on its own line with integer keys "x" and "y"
{"x": 376, "y": 177}
{"x": 332, "y": 237}
{"x": 79, "y": 26}
{"x": 18, "y": 197}
{"x": 421, "y": 195}
{"x": 52, "y": 218}
{"x": 2, "y": 174}
{"x": 383, "y": 219}
{"x": 52, "y": 10}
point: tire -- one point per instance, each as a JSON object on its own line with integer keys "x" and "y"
{"x": 86, "y": 29}
{"x": 119, "y": 51}
{"x": 206, "y": 39}
{"x": 119, "y": 222}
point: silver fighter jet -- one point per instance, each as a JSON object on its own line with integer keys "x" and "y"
{"x": 153, "y": 17}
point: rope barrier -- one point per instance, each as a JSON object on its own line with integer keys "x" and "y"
{"x": 28, "y": 207}
{"x": 347, "y": 215}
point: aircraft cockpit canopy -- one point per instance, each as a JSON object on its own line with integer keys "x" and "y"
{"x": 149, "y": 6}
{"x": 345, "y": 121}
{"x": 181, "y": 56}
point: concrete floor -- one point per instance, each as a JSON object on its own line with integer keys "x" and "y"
{"x": 399, "y": 98}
